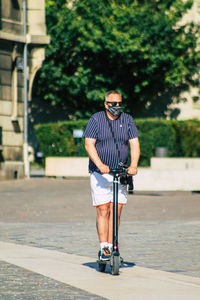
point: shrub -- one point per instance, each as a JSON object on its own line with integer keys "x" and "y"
{"x": 155, "y": 133}
{"x": 180, "y": 137}
{"x": 56, "y": 139}
{"x": 187, "y": 138}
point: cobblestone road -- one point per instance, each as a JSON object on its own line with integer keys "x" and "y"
{"x": 158, "y": 230}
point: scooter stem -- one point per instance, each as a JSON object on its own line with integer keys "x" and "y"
{"x": 115, "y": 212}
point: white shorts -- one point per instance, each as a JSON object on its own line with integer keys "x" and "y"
{"x": 102, "y": 189}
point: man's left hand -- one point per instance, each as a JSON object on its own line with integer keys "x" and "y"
{"x": 132, "y": 170}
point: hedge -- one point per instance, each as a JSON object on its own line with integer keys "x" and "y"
{"x": 182, "y": 138}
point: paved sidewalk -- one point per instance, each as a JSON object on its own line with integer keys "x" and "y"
{"x": 80, "y": 271}
{"x": 159, "y": 230}
{"x": 22, "y": 284}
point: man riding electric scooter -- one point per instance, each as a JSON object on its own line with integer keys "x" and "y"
{"x": 107, "y": 136}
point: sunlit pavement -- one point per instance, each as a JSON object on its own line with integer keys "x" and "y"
{"x": 159, "y": 230}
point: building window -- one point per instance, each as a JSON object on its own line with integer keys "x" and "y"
{"x": 17, "y": 68}
{"x": 11, "y": 16}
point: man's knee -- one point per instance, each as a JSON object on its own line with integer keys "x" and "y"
{"x": 120, "y": 206}
{"x": 103, "y": 210}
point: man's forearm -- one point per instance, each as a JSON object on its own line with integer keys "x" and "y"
{"x": 135, "y": 152}
{"x": 93, "y": 155}
{"x": 135, "y": 158}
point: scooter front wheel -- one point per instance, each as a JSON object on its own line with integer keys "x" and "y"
{"x": 115, "y": 264}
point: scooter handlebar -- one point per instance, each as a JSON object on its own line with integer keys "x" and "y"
{"x": 120, "y": 171}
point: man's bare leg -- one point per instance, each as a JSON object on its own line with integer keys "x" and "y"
{"x": 103, "y": 214}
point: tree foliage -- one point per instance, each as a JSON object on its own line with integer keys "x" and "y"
{"x": 140, "y": 48}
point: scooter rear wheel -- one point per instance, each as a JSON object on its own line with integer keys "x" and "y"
{"x": 115, "y": 265}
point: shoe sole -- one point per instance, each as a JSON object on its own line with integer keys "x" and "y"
{"x": 105, "y": 258}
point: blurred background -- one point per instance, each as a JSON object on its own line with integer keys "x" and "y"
{"x": 57, "y": 60}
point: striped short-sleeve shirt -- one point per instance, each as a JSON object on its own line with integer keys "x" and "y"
{"x": 124, "y": 129}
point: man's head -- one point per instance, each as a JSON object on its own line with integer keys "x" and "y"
{"x": 113, "y": 101}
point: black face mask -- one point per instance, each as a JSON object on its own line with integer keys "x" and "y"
{"x": 115, "y": 110}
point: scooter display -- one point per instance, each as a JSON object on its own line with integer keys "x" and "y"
{"x": 115, "y": 260}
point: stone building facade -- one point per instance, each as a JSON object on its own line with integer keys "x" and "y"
{"x": 12, "y": 41}
{"x": 190, "y": 108}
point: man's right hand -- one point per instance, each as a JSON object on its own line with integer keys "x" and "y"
{"x": 104, "y": 169}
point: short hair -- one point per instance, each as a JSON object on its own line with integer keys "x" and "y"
{"x": 111, "y": 92}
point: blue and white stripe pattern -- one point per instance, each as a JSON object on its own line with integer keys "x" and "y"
{"x": 124, "y": 129}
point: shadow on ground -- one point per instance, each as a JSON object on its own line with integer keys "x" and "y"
{"x": 94, "y": 265}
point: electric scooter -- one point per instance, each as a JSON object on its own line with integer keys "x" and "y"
{"x": 115, "y": 260}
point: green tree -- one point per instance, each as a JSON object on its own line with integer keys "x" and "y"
{"x": 139, "y": 47}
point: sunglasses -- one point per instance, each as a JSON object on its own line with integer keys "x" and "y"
{"x": 114, "y": 103}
